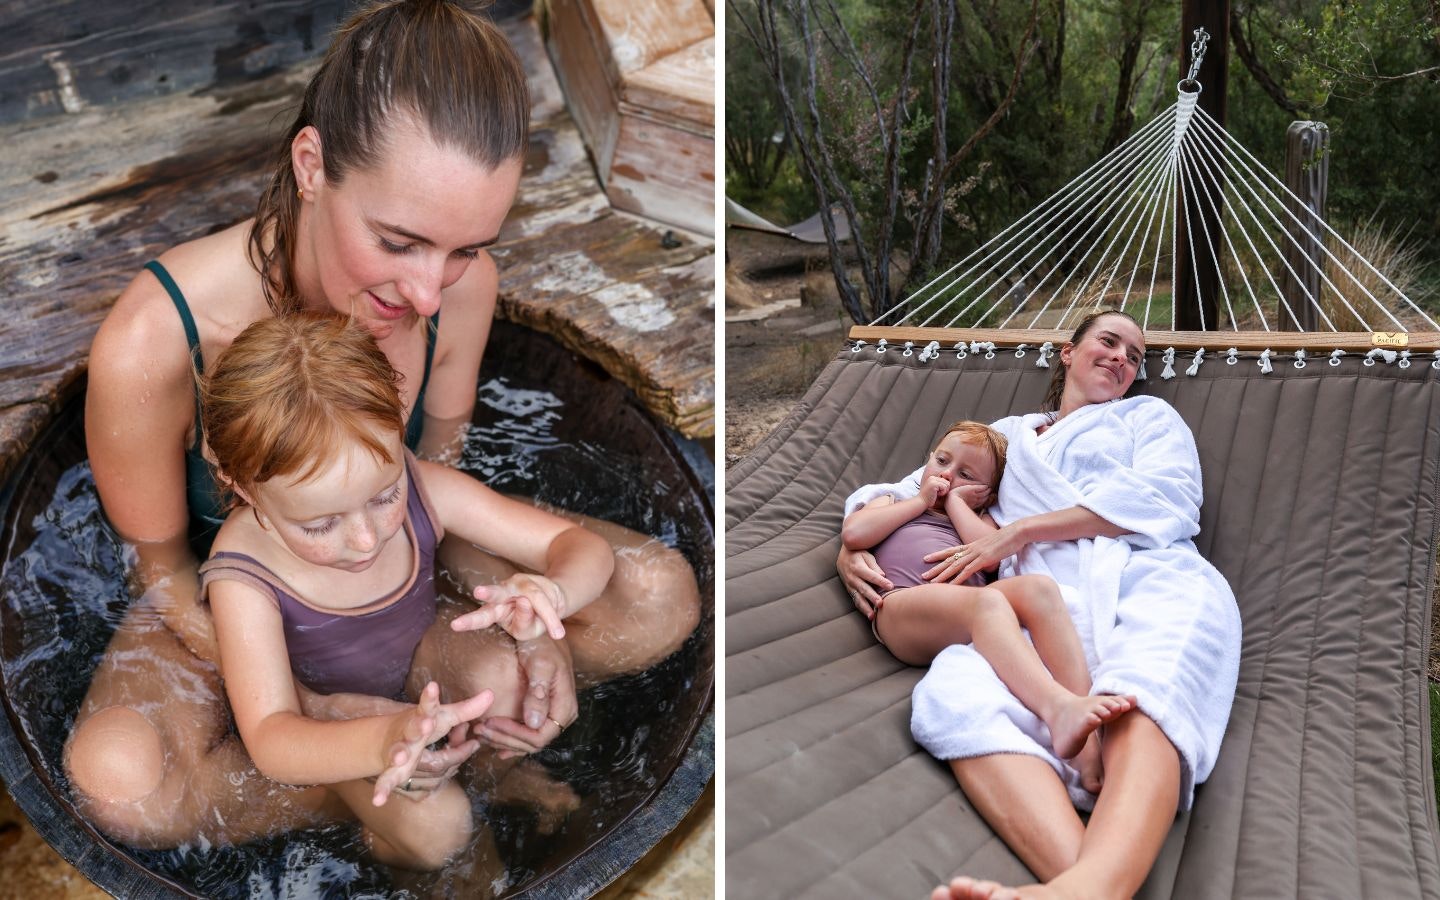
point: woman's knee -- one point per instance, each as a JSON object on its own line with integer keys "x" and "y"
{"x": 117, "y": 764}
{"x": 116, "y": 756}
{"x": 660, "y": 596}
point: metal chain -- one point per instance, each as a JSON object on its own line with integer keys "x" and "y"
{"x": 1197, "y": 52}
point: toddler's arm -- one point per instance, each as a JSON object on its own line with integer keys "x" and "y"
{"x": 960, "y": 506}
{"x": 573, "y": 564}
{"x": 291, "y": 748}
{"x": 878, "y": 519}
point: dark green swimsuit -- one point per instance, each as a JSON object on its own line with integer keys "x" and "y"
{"x": 202, "y": 494}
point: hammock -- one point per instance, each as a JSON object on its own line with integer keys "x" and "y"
{"x": 1320, "y": 457}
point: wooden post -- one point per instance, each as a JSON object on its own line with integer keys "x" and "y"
{"x": 1307, "y": 175}
{"x": 1195, "y": 309}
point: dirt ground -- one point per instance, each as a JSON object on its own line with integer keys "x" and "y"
{"x": 783, "y": 324}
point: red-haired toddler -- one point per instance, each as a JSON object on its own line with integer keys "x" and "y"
{"x": 1048, "y": 672}
{"x": 324, "y": 572}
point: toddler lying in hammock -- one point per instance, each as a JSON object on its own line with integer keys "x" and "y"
{"x": 959, "y": 481}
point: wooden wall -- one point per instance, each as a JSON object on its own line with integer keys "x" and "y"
{"x": 59, "y": 56}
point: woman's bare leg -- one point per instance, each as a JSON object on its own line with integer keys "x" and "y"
{"x": 1132, "y": 816}
{"x": 649, "y": 608}
{"x": 1126, "y": 830}
{"x": 1028, "y": 807}
{"x": 152, "y": 761}
{"x": 416, "y": 830}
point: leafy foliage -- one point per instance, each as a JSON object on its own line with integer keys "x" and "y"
{"x": 1370, "y": 69}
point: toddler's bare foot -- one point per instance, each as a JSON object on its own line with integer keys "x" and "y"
{"x": 1074, "y": 720}
{"x": 1087, "y": 761}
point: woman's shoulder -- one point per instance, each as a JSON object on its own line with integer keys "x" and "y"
{"x": 217, "y": 288}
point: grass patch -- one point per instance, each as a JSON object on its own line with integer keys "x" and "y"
{"x": 1435, "y": 736}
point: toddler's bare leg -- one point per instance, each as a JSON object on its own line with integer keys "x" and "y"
{"x": 1040, "y": 609}
{"x": 414, "y": 830}
{"x": 933, "y": 616}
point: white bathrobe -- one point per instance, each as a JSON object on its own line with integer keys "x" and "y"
{"x": 1156, "y": 620}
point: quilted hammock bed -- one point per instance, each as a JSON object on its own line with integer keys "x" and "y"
{"x": 1320, "y": 509}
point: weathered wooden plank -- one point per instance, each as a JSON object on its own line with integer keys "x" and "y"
{"x": 86, "y": 199}
{"x": 66, "y": 55}
{"x": 639, "y": 77}
{"x": 640, "y": 33}
{"x": 664, "y": 173}
{"x": 678, "y": 89}
{"x": 653, "y": 303}
{"x": 1250, "y": 341}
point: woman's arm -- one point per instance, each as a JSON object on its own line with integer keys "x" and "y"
{"x": 1072, "y": 524}
{"x": 467, "y": 313}
{"x": 139, "y": 409}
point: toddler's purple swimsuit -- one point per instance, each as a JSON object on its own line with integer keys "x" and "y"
{"x": 367, "y": 650}
{"x": 901, "y": 556}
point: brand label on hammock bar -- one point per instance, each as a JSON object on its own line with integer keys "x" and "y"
{"x": 1390, "y": 339}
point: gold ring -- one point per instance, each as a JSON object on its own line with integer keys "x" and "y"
{"x": 955, "y": 557}
{"x": 557, "y": 723}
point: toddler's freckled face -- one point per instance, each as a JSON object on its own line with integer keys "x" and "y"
{"x": 345, "y": 515}
{"x": 960, "y": 463}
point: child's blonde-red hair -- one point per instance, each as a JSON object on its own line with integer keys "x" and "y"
{"x": 979, "y": 434}
{"x": 291, "y": 391}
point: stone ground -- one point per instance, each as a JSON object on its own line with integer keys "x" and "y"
{"x": 783, "y": 324}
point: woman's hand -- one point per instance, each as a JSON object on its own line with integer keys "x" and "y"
{"x": 527, "y": 606}
{"x": 957, "y": 564}
{"x": 549, "y": 707}
{"x": 420, "y": 727}
{"x": 863, "y": 579}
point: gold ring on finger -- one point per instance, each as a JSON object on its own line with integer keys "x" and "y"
{"x": 557, "y": 723}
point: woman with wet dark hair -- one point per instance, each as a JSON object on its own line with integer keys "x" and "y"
{"x": 394, "y": 178}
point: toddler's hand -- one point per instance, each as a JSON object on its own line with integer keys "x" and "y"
{"x": 527, "y": 606}
{"x": 415, "y": 731}
{"x": 974, "y": 496}
{"x": 933, "y": 488}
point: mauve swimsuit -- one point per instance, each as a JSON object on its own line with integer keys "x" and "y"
{"x": 901, "y": 556}
{"x": 364, "y": 651}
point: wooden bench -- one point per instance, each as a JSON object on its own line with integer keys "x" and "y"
{"x": 96, "y": 180}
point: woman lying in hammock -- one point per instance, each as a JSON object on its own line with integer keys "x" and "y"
{"x": 1103, "y": 495}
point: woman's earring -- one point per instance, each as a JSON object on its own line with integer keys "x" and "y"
{"x": 300, "y": 192}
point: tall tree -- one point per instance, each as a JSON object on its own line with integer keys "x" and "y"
{"x": 850, "y": 113}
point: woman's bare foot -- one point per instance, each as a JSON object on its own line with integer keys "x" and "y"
{"x": 529, "y": 784}
{"x": 968, "y": 889}
{"x": 1075, "y": 719}
{"x": 973, "y": 889}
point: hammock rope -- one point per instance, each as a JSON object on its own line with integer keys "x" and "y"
{"x": 1102, "y": 237}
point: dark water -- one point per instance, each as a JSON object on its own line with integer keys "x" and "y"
{"x": 561, "y": 435}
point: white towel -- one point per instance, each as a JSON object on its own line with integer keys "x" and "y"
{"x": 1156, "y": 620}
